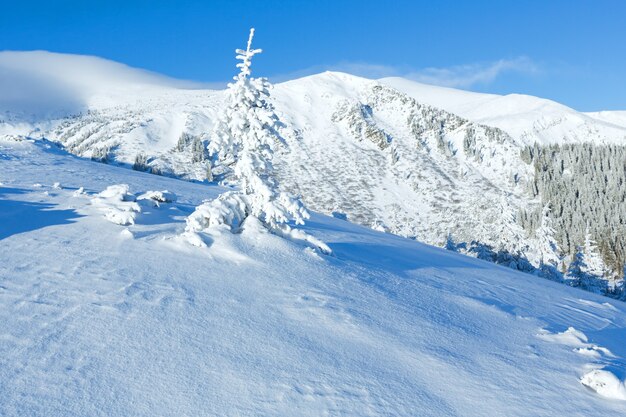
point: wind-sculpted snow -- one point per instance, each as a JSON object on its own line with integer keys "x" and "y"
{"x": 601, "y": 378}
{"x": 104, "y": 319}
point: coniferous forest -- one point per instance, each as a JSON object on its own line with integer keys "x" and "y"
{"x": 585, "y": 186}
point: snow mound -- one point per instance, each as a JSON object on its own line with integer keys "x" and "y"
{"x": 229, "y": 210}
{"x": 605, "y": 383}
{"x": 570, "y": 337}
{"x": 118, "y": 205}
{"x": 157, "y": 197}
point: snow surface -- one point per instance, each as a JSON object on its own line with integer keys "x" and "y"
{"x": 527, "y": 118}
{"x": 614, "y": 117}
{"x": 37, "y": 85}
{"x": 103, "y": 319}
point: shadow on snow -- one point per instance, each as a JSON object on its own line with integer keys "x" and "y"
{"x": 18, "y": 216}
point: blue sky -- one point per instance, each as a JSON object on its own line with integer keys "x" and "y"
{"x": 570, "y": 51}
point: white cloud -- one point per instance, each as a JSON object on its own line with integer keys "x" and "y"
{"x": 459, "y": 76}
{"x": 472, "y": 74}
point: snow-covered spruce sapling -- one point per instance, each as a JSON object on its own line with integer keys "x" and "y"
{"x": 549, "y": 258}
{"x": 243, "y": 139}
{"x": 593, "y": 260}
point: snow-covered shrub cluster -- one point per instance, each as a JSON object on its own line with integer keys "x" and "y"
{"x": 230, "y": 209}
{"x": 94, "y": 133}
{"x": 118, "y": 204}
{"x": 121, "y": 207}
{"x": 157, "y": 197}
{"x": 194, "y": 144}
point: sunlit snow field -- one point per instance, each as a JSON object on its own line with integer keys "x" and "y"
{"x": 104, "y": 319}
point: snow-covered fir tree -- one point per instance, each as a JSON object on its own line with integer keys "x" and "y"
{"x": 197, "y": 150}
{"x": 510, "y": 235}
{"x": 548, "y": 250}
{"x": 576, "y": 275}
{"x": 593, "y": 260}
{"x": 243, "y": 140}
{"x": 451, "y": 245}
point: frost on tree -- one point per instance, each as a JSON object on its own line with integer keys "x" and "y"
{"x": 242, "y": 141}
{"x": 587, "y": 269}
{"x": 549, "y": 258}
{"x": 576, "y": 270}
{"x": 594, "y": 263}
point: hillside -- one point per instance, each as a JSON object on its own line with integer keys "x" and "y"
{"x": 103, "y": 319}
{"x": 418, "y": 161}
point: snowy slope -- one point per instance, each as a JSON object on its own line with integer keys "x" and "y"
{"x": 102, "y": 319}
{"x": 526, "y": 118}
{"x": 415, "y": 160}
{"x": 384, "y": 159}
{"x": 615, "y": 117}
{"x": 39, "y": 85}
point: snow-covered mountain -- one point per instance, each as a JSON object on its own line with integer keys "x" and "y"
{"x": 103, "y": 319}
{"x": 526, "y": 118}
{"x": 415, "y": 160}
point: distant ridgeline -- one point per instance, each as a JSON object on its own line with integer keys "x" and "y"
{"x": 585, "y": 186}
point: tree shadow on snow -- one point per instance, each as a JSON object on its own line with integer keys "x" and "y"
{"x": 18, "y": 216}
{"x": 383, "y": 250}
{"x": 399, "y": 259}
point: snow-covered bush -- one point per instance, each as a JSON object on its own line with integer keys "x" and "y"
{"x": 157, "y": 197}
{"x": 118, "y": 204}
{"x": 229, "y": 210}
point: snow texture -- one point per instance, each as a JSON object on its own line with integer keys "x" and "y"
{"x": 605, "y": 383}
{"x": 103, "y": 319}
